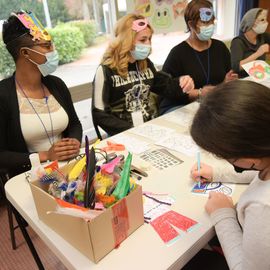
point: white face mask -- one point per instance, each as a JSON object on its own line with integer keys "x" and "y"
{"x": 51, "y": 63}
{"x": 260, "y": 28}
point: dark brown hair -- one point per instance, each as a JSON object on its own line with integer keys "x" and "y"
{"x": 234, "y": 121}
{"x": 192, "y": 11}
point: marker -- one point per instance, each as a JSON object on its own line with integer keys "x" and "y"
{"x": 198, "y": 167}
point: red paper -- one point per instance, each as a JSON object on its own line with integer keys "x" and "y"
{"x": 163, "y": 225}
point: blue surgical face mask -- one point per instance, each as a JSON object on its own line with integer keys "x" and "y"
{"x": 141, "y": 51}
{"x": 50, "y": 65}
{"x": 206, "y": 32}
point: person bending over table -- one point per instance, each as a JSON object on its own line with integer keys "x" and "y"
{"x": 126, "y": 79}
{"x": 253, "y": 42}
{"x": 233, "y": 123}
{"x": 36, "y": 110}
{"x": 205, "y": 59}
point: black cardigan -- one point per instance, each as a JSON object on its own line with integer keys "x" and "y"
{"x": 14, "y": 155}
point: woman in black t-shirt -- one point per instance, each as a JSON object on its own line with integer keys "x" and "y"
{"x": 205, "y": 59}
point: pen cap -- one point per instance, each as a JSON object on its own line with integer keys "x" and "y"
{"x": 34, "y": 159}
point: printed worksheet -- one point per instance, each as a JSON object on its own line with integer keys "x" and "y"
{"x": 180, "y": 143}
{"x": 151, "y": 131}
{"x": 205, "y": 188}
{"x": 179, "y": 117}
{"x": 132, "y": 144}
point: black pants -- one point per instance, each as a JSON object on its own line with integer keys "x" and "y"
{"x": 207, "y": 260}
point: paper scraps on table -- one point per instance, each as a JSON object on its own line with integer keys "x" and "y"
{"x": 171, "y": 225}
{"x": 132, "y": 144}
{"x": 151, "y": 131}
{"x": 206, "y": 187}
{"x": 181, "y": 143}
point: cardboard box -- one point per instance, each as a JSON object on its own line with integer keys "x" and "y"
{"x": 97, "y": 237}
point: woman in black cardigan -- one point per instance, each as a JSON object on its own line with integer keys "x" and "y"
{"x": 36, "y": 110}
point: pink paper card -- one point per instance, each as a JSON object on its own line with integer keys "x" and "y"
{"x": 163, "y": 225}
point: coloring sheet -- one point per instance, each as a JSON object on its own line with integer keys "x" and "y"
{"x": 154, "y": 205}
{"x": 258, "y": 70}
{"x": 151, "y": 131}
{"x": 179, "y": 117}
{"x": 180, "y": 143}
{"x": 205, "y": 188}
{"x": 132, "y": 144}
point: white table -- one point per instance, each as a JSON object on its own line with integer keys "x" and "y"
{"x": 144, "y": 249}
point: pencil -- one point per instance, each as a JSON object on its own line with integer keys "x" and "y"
{"x": 198, "y": 168}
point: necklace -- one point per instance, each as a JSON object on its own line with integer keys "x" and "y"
{"x": 51, "y": 139}
{"x": 206, "y": 74}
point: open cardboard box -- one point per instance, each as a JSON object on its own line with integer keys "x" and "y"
{"x": 97, "y": 237}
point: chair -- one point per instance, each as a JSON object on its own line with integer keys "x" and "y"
{"x": 3, "y": 179}
{"x": 22, "y": 224}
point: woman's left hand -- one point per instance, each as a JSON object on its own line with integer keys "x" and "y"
{"x": 217, "y": 200}
{"x": 186, "y": 83}
{"x": 231, "y": 76}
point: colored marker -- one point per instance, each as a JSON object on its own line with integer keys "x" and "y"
{"x": 198, "y": 167}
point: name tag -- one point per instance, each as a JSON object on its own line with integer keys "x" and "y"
{"x": 137, "y": 118}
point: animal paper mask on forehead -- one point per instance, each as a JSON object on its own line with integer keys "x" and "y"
{"x": 206, "y": 14}
{"x": 31, "y": 22}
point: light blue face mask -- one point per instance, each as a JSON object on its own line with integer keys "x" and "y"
{"x": 141, "y": 51}
{"x": 50, "y": 65}
{"x": 206, "y": 32}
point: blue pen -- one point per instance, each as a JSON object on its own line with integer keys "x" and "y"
{"x": 198, "y": 167}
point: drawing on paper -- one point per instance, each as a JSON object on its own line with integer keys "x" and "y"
{"x": 259, "y": 70}
{"x": 206, "y": 187}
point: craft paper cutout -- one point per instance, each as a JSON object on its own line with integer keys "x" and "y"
{"x": 258, "y": 70}
{"x": 31, "y": 22}
{"x": 206, "y": 187}
{"x": 167, "y": 224}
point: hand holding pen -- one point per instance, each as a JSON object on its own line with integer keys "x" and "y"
{"x": 204, "y": 174}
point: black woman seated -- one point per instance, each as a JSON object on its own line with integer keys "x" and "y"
{"x": 36, "y": 110}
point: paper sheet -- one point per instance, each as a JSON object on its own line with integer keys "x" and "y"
{"x": 153, "y": 206}
{"x": 205, "y": 188}
{"x": 179, "y": 117}
{"x": 180, "y": 143}
{"x": 258, "y": 70}
{"x": 170, "y": 225}
{"x": 151, "y": 131}
{"x": 132, "y": 144}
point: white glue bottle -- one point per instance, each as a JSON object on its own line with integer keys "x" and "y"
{"x": 37, "y": 169}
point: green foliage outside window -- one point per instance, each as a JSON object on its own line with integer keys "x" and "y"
{"x": 68, "y": 41}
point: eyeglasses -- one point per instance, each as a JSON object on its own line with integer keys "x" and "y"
{"x": 47, "y": 45}
{"x": 139, "y": 25}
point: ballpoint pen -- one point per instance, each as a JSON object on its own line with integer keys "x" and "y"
{"x": 198, "y": 168}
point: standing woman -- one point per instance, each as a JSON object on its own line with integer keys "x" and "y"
{"x": 36, "y": 110}
{"x": 126, "y": 79}
{"x": 233, "y": 123}
{"x": 204, "y": 59}
{"x": 253, "y": 42}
